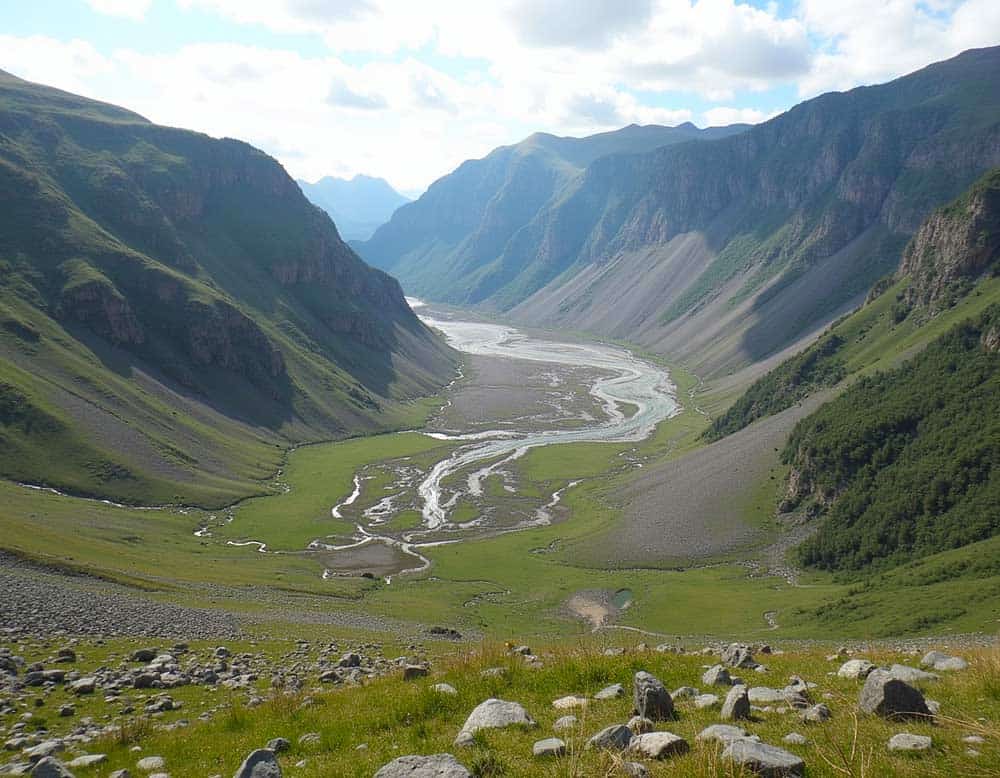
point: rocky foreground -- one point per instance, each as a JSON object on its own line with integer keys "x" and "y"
{"x": 72, "y": 707}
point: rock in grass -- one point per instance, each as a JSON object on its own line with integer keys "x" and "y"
{"x": 855, "y": 668}
{"x": 737, "y": 704}
{"x": 610, "y": 692}
{"x": 493, "y": 714}
{"x": 723, "y": 733}
{"x": 795, "y": 739}
{"x": 411, "y": 672}
{"x": 650, "y": 699}
{"x": 936, "y": 660}
{"x": 88, "y": 760}
{"x": 889, "y": 697}
{"x": 550, "y": 746}
{"x": 815, "y": 714}
{"x": 684, "y": 693}
{"x": 907, "y": 742}
{"x": 50, "y": 767}
{"x": 84, "y": 686}
{"x": 658, "y": 745}
{"x": 763, "y": 759}
{"x": 435, "y": 766}
{"x": 150, "y": 764}
{"x": 564, "y": 723}
{"x": 738, "y": 655}
{"x": 637, "y": 725}
{"x": 120, "y": 774}
{"x": 706, "y": 701}
{"x": 716, "y": 676}
{"x": 262, "y": 763}
{"x": 444, "y": 688}
{"x": 614, "y": 738}
{"x": 570, "y": 701}
{"x": 911, "y": 674}
{"x": 279, "y": 745}
{"x": 635, "y": 770}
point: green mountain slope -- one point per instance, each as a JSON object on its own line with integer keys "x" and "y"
{"x": 906, "y": 463}
{"x": 447, "y": 245}
{"x": 359, "y": 205}
{"x": 174, "y": 313}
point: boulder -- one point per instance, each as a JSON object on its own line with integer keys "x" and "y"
{"x": 650, "y": 699}
{"x": 763, "y": 759}
{"x": 684, "y": 693}
{"x": 88, "y": 760}
{"x": 411, "y": 672}
{"x": 262, "y": 763}
{"x": 716, "y": 676}
{"x": 935, "y": 660}
{"x": 638, "y": 725}
{"x": 610, "y": 692}
{"x": 815, "y": 714}
{"x": 614, "y": 738}
{"x": 722, "y": 733}
{"x": 49, "y": 767}
{"x": 911, "y": 674}
{"x": 570, "y": 701}
{"x": 279, "y": 745}
{"x": 444, "y": 688}
{"x": 84, "y": 686}
{"x": 889, "y": 697}
{"x": 736, "y": 705}
{"x": 855, "y": 668}
{"x": 738, "y": 655}
{"x": 635, "y": 770}
{"x": 550, "y": 746}
{"x": 151, "y": 764}
{"x": 795, "y": 739}
{"x": 563, "y": 723}
{"x": 907, "y": 742}
{"x": 764, "y": 695}
{"x": 493, "y": 714}
{"x": 658, "y": 745}
{"x": 435, "y": 766}
{"x": 706, "y": 701}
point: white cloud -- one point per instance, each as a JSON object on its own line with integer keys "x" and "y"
{"x": 865, "y": 42}
{"x": 129, "y": 9}
{"x": 722, "y": 115}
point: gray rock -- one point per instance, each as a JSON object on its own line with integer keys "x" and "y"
{"x": 723, "y": 733}
{"x": 716, "y": 676}
{"x": 684, "y": 693}
{"x": 493, "y": 714}
{"x": 650, "y": 699}
{"x": 614, "y": 738}
{"x": 151, "y": 764}
{"x": 658, "y": 745}
{"x": 816, "y": 714}
{"x": 44, "y": 749}
{"x": 610, "y": 692}
{"x": 737, "y": 704}
{"x": 120, "y": 774}
{"x": 855, "y": 668}
{"x": 144, "y": 655}
{"x": 50, "y": 767}
{"x": 570, "y": 701}
{"x": 795, "y": 739}
{"x": 436, "y": 766}
{"x": 635, "y": 770}
{"x": 309, "y": 739}
{"x": 550, "y": 746}
{"x": 763, "y": 695}
{"x": 638, "y": 725}
{"x": 738, "y": 655}
{"x": 279, "y": 745}
{"x": 911, "y": 674}
{"x": 350, "y": 659}
{"x": 890, "y": 697}
{"x": 936, "y": 660}
{"x": 262, "y": 763}
{"x": 444, "y": 688}
{"x": 763, "y": 759}
{"x": 706, "y": 701}
{"x": 563, "y": 723}
{"x": 907, "y": 742}
{"x": 84, "y": 686}
{"x": 410, "y": 672}
{"x": 88, "y": 760}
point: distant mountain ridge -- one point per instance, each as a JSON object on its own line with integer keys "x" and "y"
{"x": 358, "y": 206}
{"x": 721, "y": 252}
{"x": 449, "y": 243}
{"x": 174, "y": 312}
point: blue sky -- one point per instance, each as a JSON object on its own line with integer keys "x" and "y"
{"x": 407, "y": 90}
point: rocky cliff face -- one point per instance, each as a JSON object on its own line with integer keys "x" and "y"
{"x": 955, "y": 246}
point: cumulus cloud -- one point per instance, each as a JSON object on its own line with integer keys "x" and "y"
{"x": 341, "y": 94}
{"x": 721, "y": 115}
{"x": 129, "y": 9}
{"x": 577, "y": 23}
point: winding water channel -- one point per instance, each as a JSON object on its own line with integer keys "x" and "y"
{"x": 635, "y": 396}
